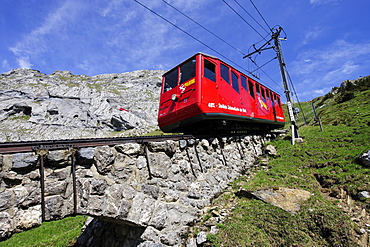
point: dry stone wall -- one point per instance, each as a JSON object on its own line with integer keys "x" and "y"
{"x": 139, "y": 194}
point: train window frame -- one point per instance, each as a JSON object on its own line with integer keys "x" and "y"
{"x": 244, "y": 82}
{"x": 235, "y": 81}
{"x": 173, "y": 83}
{"x": 251, "y": 88}
{"x": 189, "y": 71}
{"x": 223, "y": 73}
{"x": 209, "y": 73}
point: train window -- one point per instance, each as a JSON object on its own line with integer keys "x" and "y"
{"x": 258, "y": 89}
{"x": 187, "y": 71}
{"x": 278, "y": 100}
{"x": 244, "y": 82}
{"x": 235, "y": 81}
{"x": 263, "y": 94}
{"x": 251, "y": 89}
{"x": 170, "y": 80}
{"x": 225, "y": 73}
{"x": 209, "y": 70}
{"x": 268, "y": 94}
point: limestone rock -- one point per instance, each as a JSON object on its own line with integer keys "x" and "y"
{"x": 270, "y": 150}
{"x": 284, "y": 198}
{"x": 365, "y": 159}
{"x": 35, "y": 106}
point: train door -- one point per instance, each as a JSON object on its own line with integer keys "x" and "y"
{"x": 262, "y": 107}
{"x": 273, "y": 105}
{"x": 209, "y": 100}
{"x": 252, "y": 102}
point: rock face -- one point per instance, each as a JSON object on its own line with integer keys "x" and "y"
{"x": 140, "y": 194}
{"x": 35, "y": 106}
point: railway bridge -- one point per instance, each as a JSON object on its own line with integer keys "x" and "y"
{"x": 141, "y": 192}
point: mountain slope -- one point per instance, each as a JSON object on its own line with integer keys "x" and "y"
{"x": 35, "y": 106}
{"x": 326, "y": 164}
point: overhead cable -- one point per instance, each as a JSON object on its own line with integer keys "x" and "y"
{"x": 190, "y": 35}
{"x": 261, "y": 15}
{"x": 203, "y": 27}
{"x": 242, "y": 18}
{"x": 251, "y": 16}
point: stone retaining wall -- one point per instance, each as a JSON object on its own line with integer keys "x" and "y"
{"x": 149, "y": 193}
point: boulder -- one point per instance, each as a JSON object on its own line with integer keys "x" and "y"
{"x": 365, "y": 159}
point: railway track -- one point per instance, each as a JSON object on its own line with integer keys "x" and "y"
{"x": 30, "y": 146}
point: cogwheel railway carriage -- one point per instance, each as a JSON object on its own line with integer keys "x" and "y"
{"x": 204, "y": 95}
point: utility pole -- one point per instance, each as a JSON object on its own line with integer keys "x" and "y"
{"x": 276, "y": 47}
{"x": 275, "y": 37}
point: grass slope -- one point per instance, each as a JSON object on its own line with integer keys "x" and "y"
{"x": 59, "y": 233}
{"x": 326, "y": 164}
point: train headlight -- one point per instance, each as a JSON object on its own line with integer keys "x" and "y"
{"x": 174, "y": 97}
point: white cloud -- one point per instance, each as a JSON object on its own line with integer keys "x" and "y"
{"x": 312, "y": 34}
{"x": 339, "y": 55}
{"x": 24, "y": 62}
{"x": 34, "y": 43}
{"x": 320, "y": 2}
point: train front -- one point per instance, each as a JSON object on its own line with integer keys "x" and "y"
{"x": 179, "y": 96}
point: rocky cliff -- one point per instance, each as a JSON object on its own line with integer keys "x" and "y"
{"x": 36, "y": 106}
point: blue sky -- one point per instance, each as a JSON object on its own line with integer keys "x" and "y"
{"x": 327, "y": 42}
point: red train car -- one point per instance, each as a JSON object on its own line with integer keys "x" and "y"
{"x": 206, "y": 95}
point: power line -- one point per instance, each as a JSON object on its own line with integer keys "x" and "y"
{"x": 260, "y": 68}
{"x": 242, "y": 18}
{"x": 261, "y": 15}
{"x": 203, "y": 27}
{"x": 163, "y": 18}
{"x": 251, "y": 16}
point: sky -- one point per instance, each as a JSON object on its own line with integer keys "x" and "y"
{"x": 327, "y": 41}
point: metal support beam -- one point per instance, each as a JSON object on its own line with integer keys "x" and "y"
{"x": 74, "y": 184}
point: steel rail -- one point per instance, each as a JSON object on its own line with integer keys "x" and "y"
{"x": 30, "y": 146}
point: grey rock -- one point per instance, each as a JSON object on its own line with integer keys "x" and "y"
{"x": 129, "y": 148}
{"x": 363, "y": 194}
{"x": 24, "y": 160}
{"x": 270, "y": 150}
{"x": 86, "y": 156}
{"x": 98, "y": 186}
{"x": 365, "y": 159}
{"x": 5, "y": 199}
{"x": 183, "y": 144}
{"x": 58, "y": 158}
{"x": 55, "y": 188}
{"x": 201, "y": 237}
{"x": 104, "y": 157}
{"x": 5, "y": 225}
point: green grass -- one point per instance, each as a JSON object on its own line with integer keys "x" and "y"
{"x": 325, "y": 162}
{"x": 60, "y": 233}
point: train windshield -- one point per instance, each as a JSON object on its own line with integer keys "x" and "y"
{"x": 174, "y": 77}
{"x": 187, "y": 71}
{"x": 170, "y": 80}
